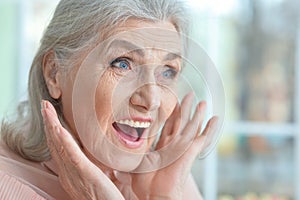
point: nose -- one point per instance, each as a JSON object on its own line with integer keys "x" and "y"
{"x": 146, "y": 98}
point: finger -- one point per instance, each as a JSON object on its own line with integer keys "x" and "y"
{"x": 48, "y": 128}
{"x": 176, "y": 122}
{"x": 172, "y": 122}
{"x": 47, "y": 124}
{"x": 53, "y": 144}
{"x": 48, "y": 106}
{"x": 192, "y": 127}
{"x": 51, "y": 124}
{"x": 68, "y": 155}
{"x": 60, "y": 133}
{"x": 50, "y": 121}
{"x": 77, "y": 174}
{"x": 51, "y": 127}
{"x": 170, "y": 128}
{"x": 202, "y": 106}
{"x": 186, "y": 108}
{"x": 209, "y": 132}
{"x": 199, "y": 144}
{"x": 65, "y": 145}
{"x": 207, "y": 137}
{"x": 181, "y": 143}
{"x": 49, "y": 139}
{"x": 78, "y": 164}
{"x": 72, "y": 151}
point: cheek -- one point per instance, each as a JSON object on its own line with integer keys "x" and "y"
{"x": 103, "y": 99}
{"x": 169, "y": 101}
{"x": 67, "y": 103}
{"x": 110, "y": 97}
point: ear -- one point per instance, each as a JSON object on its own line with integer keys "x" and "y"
{"x": 51, "y": 75}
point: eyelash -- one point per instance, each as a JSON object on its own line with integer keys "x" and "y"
{"x": 119, "y": 60}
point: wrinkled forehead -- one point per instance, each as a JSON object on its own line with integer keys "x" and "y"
{"x": 146, "y": 38}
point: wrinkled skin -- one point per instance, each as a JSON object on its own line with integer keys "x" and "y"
{"x": 131, "y": 85}
{"x": 82, "y": 179}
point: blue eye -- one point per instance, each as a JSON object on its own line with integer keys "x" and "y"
{"x": 169, "y": 73}
{"x": 121, "y": 63}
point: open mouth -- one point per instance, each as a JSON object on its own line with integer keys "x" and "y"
{"x": 130, "y": 132}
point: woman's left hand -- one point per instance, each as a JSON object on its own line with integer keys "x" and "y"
{"x": 180, "y": 138}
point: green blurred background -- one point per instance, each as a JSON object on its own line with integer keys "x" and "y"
{"x": 8, "y": 56}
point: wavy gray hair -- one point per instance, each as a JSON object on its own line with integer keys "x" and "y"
{"x": 76, "y": 26}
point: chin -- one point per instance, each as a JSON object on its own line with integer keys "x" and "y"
{"x": 128, "y": 156}
{"x": 125, "y": 161}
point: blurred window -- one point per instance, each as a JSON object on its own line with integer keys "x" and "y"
{"x": 255, "y": 45}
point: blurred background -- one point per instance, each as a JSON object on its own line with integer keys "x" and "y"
{"x": 255, "y": 45}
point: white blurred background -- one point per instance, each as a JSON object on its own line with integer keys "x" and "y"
{"x": 255, "y": 44}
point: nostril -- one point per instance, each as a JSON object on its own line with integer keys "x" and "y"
{"x": 145, "y": 102}
{"x": 147, "y": 97}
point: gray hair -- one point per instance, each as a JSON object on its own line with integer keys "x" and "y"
{"x": 76, "y": 26}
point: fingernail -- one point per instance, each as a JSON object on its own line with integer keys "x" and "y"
{"x": 44, "y": 104}
{"x": 50, "y": 107}
{"x": 191, "y": 94}
{"x": 47, "y": 104}
{"x": 199, "y": 107}
{"x": 216, "y": 120}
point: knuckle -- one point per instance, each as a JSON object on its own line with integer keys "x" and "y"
{"x": 61, "y": 151}
{"x": 76, "y": 161}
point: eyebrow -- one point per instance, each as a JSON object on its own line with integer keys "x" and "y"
{"x": 172, "y": 56}
{"x": 128, "y": 46}
{"x": 136, "y": 49}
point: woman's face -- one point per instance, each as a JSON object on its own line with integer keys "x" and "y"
{"x": 124, "y": 90}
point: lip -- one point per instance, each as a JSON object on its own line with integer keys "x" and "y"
{"x": 127, "y": 141}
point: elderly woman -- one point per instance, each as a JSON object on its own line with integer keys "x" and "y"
{"x": 103, "y": 119}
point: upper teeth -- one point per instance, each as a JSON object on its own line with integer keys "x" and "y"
{"x": 135, "y": 124}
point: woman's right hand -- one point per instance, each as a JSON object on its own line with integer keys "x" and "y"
{"x": 79, "y": 177}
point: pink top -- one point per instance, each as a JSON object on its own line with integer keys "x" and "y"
{"x": 22, "y": 179}
{"x": 13, "y": 188}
